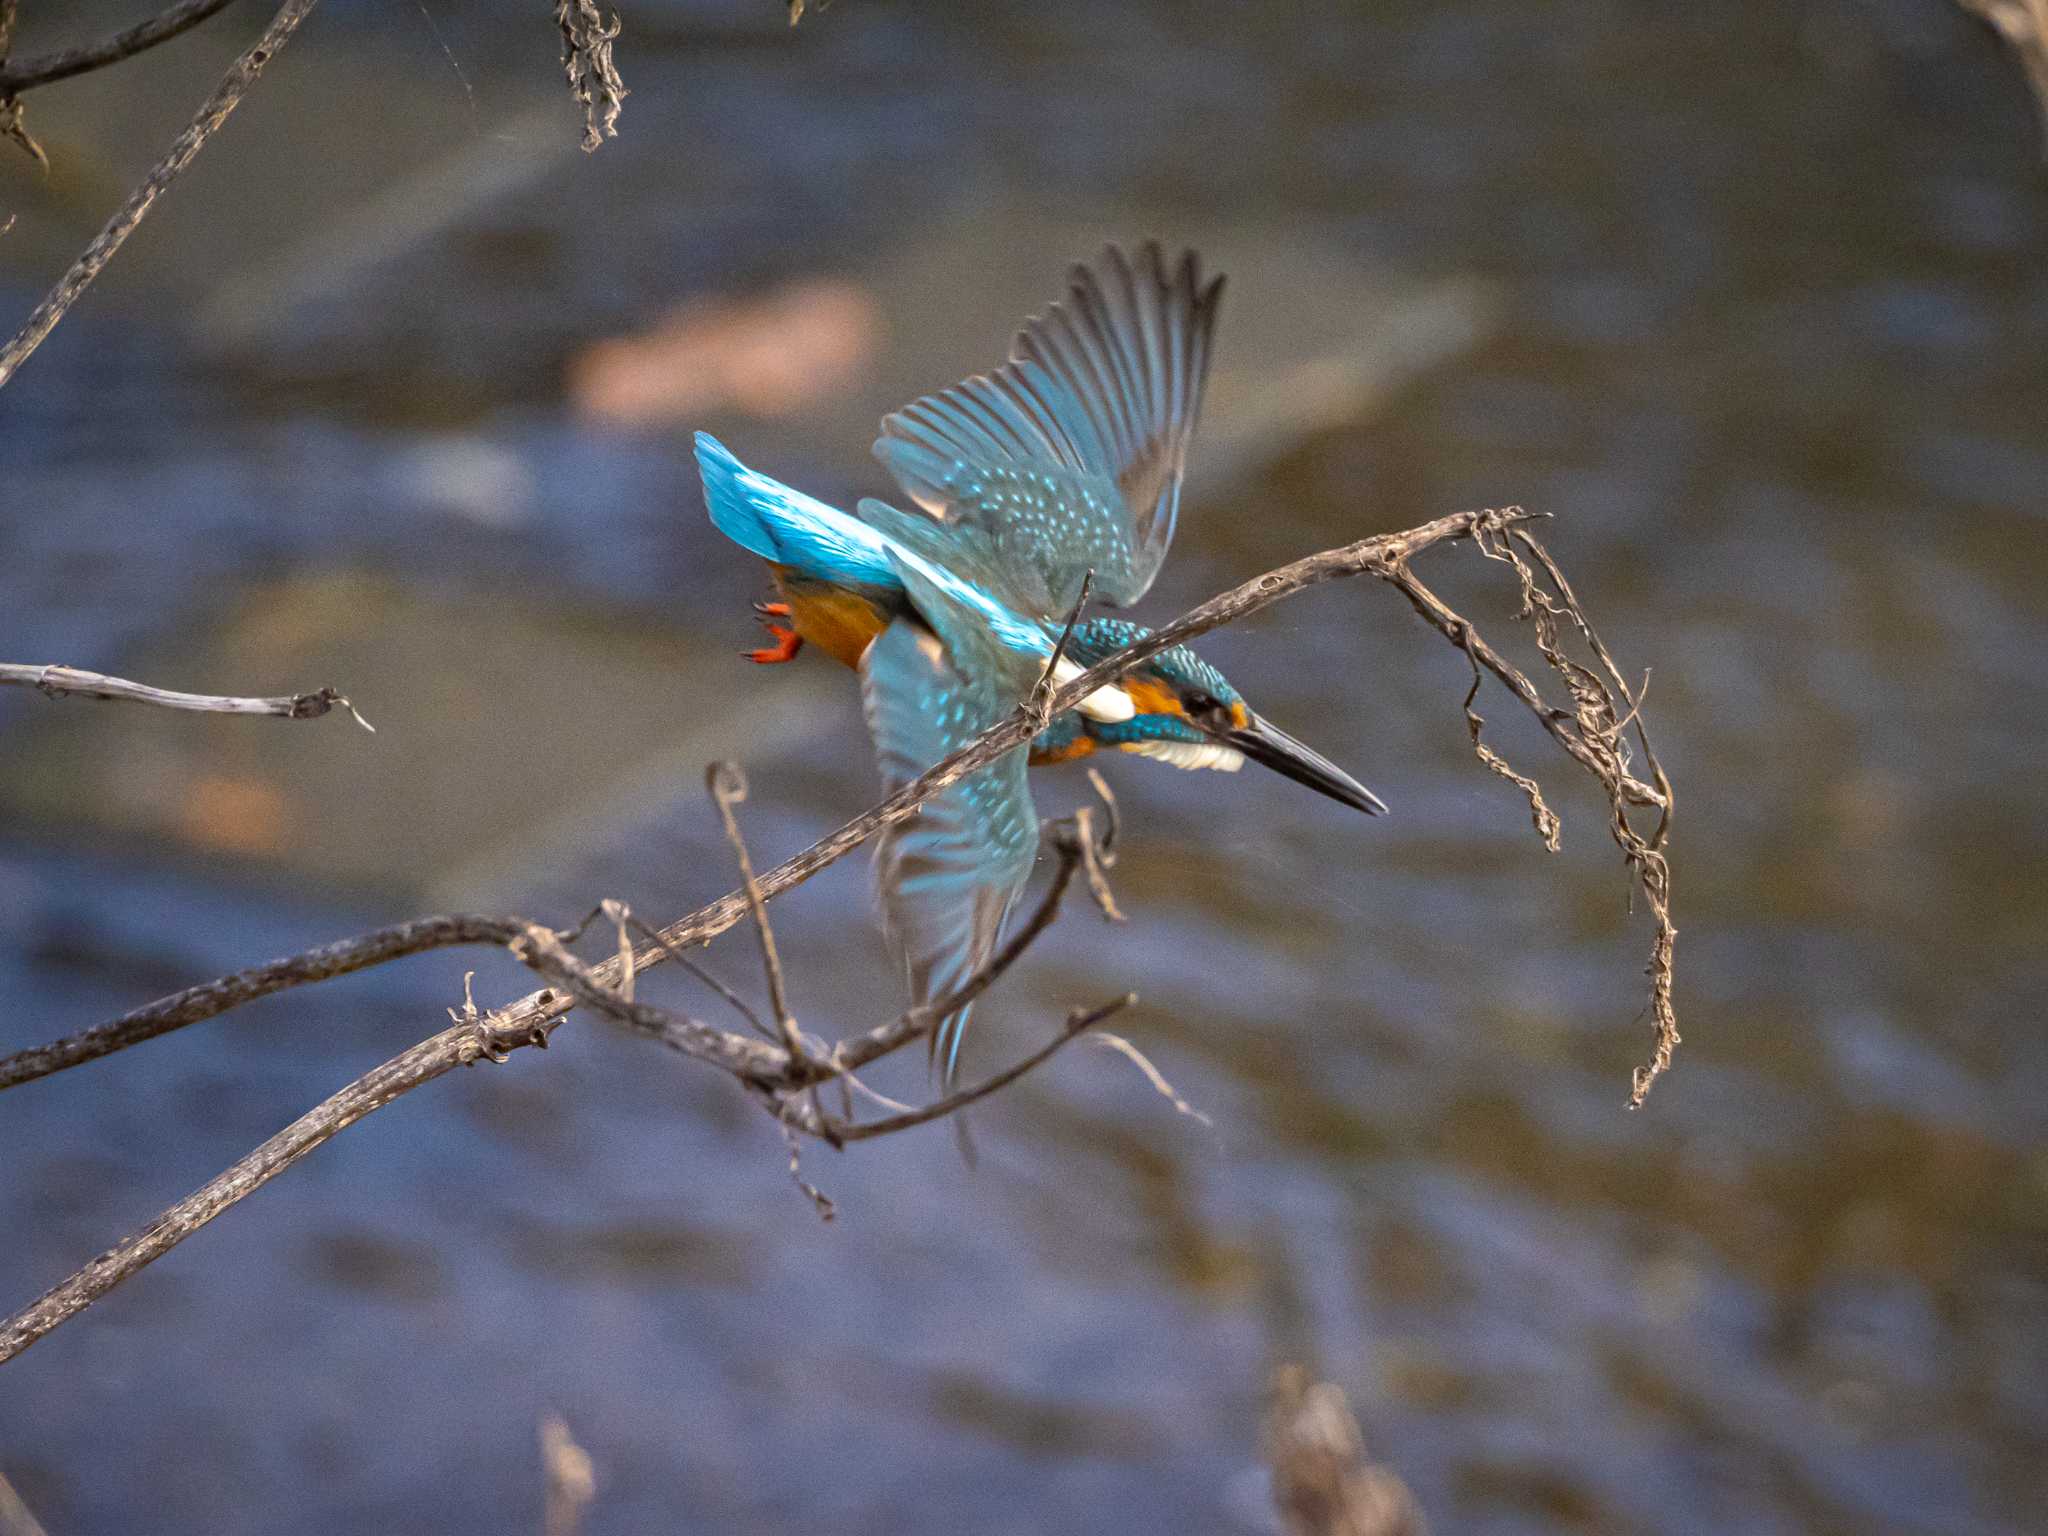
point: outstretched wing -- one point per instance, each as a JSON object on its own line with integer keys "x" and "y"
{"x": 1069, "y": 457}
{"x": 947, "y": 877}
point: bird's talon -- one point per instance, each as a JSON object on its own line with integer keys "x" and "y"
{"x": 787, "y": 643}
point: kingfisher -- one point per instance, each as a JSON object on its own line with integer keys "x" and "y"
{"x": 1055, "y": 476}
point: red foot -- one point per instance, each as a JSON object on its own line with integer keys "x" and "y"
{"x": 787, "y": 643}
{"x": 772, "y": 611}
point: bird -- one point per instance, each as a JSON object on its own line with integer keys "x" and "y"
{"x": 1054, "y": 477}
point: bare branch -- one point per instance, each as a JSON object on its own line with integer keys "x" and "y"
{"x": 454, "y": 1047}
{"x": 1379, "y": 555}
{"x": 216, "y": 110}
{"x": 816, "y": 1123}
{"x": 14, "y": 128}
{"x": 1591, "y": 732}
{"x": 1385, "y": 555}
{"x": 59, "y": 682}
{"x": 61, "y": 65}
{"x": 216, "y": 997}
{"x": 737, "y": 1003}
{"x": 1041, "y": 691}
{"x": 1153, "y": 1075}
{"x": 728, "y": 788}
{"x": 594, "y": 81}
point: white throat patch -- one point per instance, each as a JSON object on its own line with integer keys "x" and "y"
{"x": 1109, "y": 704}
{"x": 1189, "y": 754}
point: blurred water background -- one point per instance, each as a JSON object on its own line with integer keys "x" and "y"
{"x": 393, "y": 393}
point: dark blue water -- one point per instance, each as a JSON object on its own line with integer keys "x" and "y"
{"x": 1768, "y": 315}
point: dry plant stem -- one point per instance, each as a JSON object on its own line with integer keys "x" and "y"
{"x": 594, "y": 81}
{"x": 1380, "y": 555}
{"x": 60, "y": 682}
{"x": 216, "y": 997}
{"x": 1591, "y": 734}
{"x": 805, "y": 1115}
{"x": 1041, "y": 691}
{"x": 61, "y": 65}
{"x": 426, "y": 1061}
{"x": 1385, "y": 555}
{"x": 728, "y": 787}
{"x": 226, "y": 97}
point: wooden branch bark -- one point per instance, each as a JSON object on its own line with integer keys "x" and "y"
{"x": 42, "y": 69}
{"x": 213, "y": 998}
{"x": 1604, "y": 709}
{"x": 426, "y": 1061}
{"x": 1379, "y": 554}
{"x": 59, "y": 682}
{"x": 216, "y": 110}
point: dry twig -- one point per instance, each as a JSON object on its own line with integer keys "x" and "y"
{"x": 57, "y": 682}
{"x": 216, "y": 110}
{"x": 26, "y": 74}
{"x": 728, "y": 787}
{"x": 781, "y": 1075}
{"x": 594, "y": 81}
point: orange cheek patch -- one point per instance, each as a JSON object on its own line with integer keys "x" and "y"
{"x": 1150, "y": 698}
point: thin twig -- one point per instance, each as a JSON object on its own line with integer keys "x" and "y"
{"x": 1153, "y": 1075}
{"x": 441, "y": 1053}
{"x": 818, "y": 1124}
{"x": 212, "y": 998}
{"x": 1385, "y": 555}
{"x": 61, "y": 682}
{"x": 1548, "y": 827}
{"x": 618, "y": 913}
{"x": 728, "y": 786}
{"x": 41, "y": 69}
{"x": 1041, "y": 691}
{"x": 216, "y": 110}
{"x": 820, "y": 1201}
{"x": 1590, "y": 733}
{"x": 738, "y": 1004}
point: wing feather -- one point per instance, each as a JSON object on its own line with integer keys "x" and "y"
{"x": 946, "y": 878}
{"x": 1070, "y": 456}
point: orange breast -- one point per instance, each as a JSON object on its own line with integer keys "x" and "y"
{"x": 838, "y": 622}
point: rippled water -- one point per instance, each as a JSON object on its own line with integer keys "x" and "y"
{"x": 1766, "y": 320}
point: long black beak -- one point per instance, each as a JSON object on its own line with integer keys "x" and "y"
{"x": 1264, "y": 742}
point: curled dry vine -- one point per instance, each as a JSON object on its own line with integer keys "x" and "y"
{"x": 781, "y": 1067}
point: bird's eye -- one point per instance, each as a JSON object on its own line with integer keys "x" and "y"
{"x": 1201, "y": 706}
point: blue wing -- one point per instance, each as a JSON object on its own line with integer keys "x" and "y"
{"x": 947, "y": 877}
{"x": 1069, "y": 457}
{"x": 782, "y": 524}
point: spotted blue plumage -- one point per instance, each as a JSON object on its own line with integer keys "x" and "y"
{"x": 945, "y": 879}
{"x": 1069, "y": 457}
